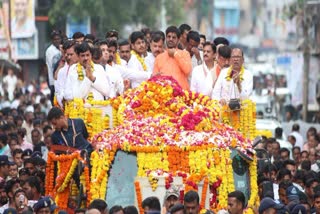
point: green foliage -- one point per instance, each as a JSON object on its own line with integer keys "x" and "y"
{"x": 114, "y": 14}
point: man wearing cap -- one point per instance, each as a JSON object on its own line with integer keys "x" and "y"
{"x": 171, "y": 198}
{"x": 44, "y": 205}
{"x": 268, "y": 205}
{"x": 293, "y": 197}
{"x": 4, "y": 167}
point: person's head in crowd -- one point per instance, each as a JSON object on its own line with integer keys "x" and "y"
{"x": 10, "y": 119}
{"x": 306, "y": 165}
{"x": 112, "y": 34}
{"x": 172, "y": 37}
{"x": 11, "y": 187}
{"x": 3, "y": 194}
{"x": 4, "y": 166}
{"x": 45, "y": 205}
{"x": 312, "y": 155}
{"x": 304, "y": 156}
{"x": 41, "y": 177}
{"x": 223, "y": 56}
{"x": 80, "y": 211}
{"x": 20, "y": 200}
{"x": 26, "y": 154}
{"x": 191, "y": 202}
{"x": 112, "y": 49}
{"x": 269, "y": 171}
{"x": 130, "y": 210}
{"x": 221, "y": 41}
{"x": 18, "y": 120}
{"x": 291, "y": 166}
{"x": 56, "y": 38}
{"x": 292, "y": 140}
{"x": 57, "y": 118}
{"x": 147, "y": 36}
{"x": 24, "y": 174}
{"x": 151, "y": 205}
{"x": 84, "y": 53}
{"x": 29, "y": 117}
{"x": 265, "y": 187}
{"x": 116, "y": 210}
{"x": 284, "y": 175}
{"x": 78, "y": 37}
{"x": 310, "y": 184}
{"x": 209, "y": 52}
{"x": 311, "y": 131}
{"x": 93, "y": 211}
{"x": 283, "y": 186}
{"x": 278, "y": 133}
{"x": 284, "y": 154}
{"x": 69, "y": 52}
{"x": 103, "y": 45}
{"x": 276, "y": 150}
{"x": 269, "y": 206}
{"x": 13, "y": 142}
{"x": 295, "y": 127}
{"x": 100, "y": 205}
{"x": 316, "y": 202}
{"x": 203, "y": 40}
{"x": 13, "y": 170}
{"x": 29, "y": 164}
{"x": 97, "y": 55}
{"x": 298, "y": 178}
{"x": 184, "y": 30}
{"x": 156, "y": 44}
{"x": 171, "y": 197}
{"x": 124, "y": 50}
{"x": 32, "y": 188}
{"x": 177, "y": 209}
{"x": 193, "y": 41}
{"x": 39, "y": 162}
{"x": 47, "y": 131}
{"x": 47, "y": 141}
{"x": 3, "y": 140}
{"x": 138, "y": 43}
{"x": 296, "y": 154}
{"x": 292, "y": 194}
{"x": 236, "y": 202}
{"x": 22, "y": 132}
{"x": 299, "y": 209}
{"x": 35, "y": 136}
{"x": 89, "y": 38}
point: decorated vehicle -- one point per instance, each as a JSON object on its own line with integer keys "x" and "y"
{"x": 157, "y": 136}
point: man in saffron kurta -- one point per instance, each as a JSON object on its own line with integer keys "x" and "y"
{"x": 174, "y": 62}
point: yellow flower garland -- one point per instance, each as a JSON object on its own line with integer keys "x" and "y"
{"x": 140, "y": 59}
{"x": 118, "y": 59}
{"x": 80, "y": 70}
{"x": 69, "y": 175}
{"x": 229, "y": 77}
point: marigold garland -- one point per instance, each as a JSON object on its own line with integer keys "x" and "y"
{"x": 118, "y": 59}
{"x": 204, "y": 192}
{"x": 229, "y": 72}
{"x": 140, "y": 59}
{"x": 138, "y": 195}
{"x": 81, "y": 72}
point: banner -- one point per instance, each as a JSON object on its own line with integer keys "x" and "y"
{"x": 78, "y": 25}
{"x": 22, "y": 19}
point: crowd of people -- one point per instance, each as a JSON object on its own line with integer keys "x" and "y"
{"x": 91, "y": 68}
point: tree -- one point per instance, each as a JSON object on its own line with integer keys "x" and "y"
{"x": 107, "y": 14}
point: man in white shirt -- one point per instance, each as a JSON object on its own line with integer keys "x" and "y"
{"x": 10, "y": 81}
{"x": 124, "y": 51}
{"x": 295, "y": 132}
{"x": 156, "y": 47}
{"x": 193, "y": 41}
{"x": 233, "y": 82}
{"x": 86, "y": 80}
{"x": 53, "y": 55}
{"x": 62, "y": 74}
{"x": 203, "y": 76}
{"x": 137, "y": 60}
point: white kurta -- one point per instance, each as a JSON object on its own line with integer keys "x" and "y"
{"x": 75, "y": 88}
{"x": 135, "y": 65}
{"x": 227, "y": 90}
{"x": 60, "y": 83}
{"x": 11, "y": 83}
{"x": 149, "y": 60}
{"x": 202, "y": 79}
{"x": 53, "y": 55}
{"x": 115, "y": 80}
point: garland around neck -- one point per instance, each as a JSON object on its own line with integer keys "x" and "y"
{"x": 80, "y": 72}
{"x": 140, "y": 59}
{"x": 229, "y": 77}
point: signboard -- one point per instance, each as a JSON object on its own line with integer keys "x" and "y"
{"x": 78, "y": 25}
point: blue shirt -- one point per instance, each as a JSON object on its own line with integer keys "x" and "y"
{"x": 76, "y": 140}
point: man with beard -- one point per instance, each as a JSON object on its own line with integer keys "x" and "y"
{"x": 234, "y": 82}
{"x": 32, "y": 188}
{"x": 137, "y": 60}
{"x": 174, "y": 62}
{"x": 203, "y": 76}
{"x": 156, "y": 47}
{"x": 62, "y": 74}
{"x": 86, "y": 80}
{"x": 171, "y": 198}
{"x": 11, "y": 187}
